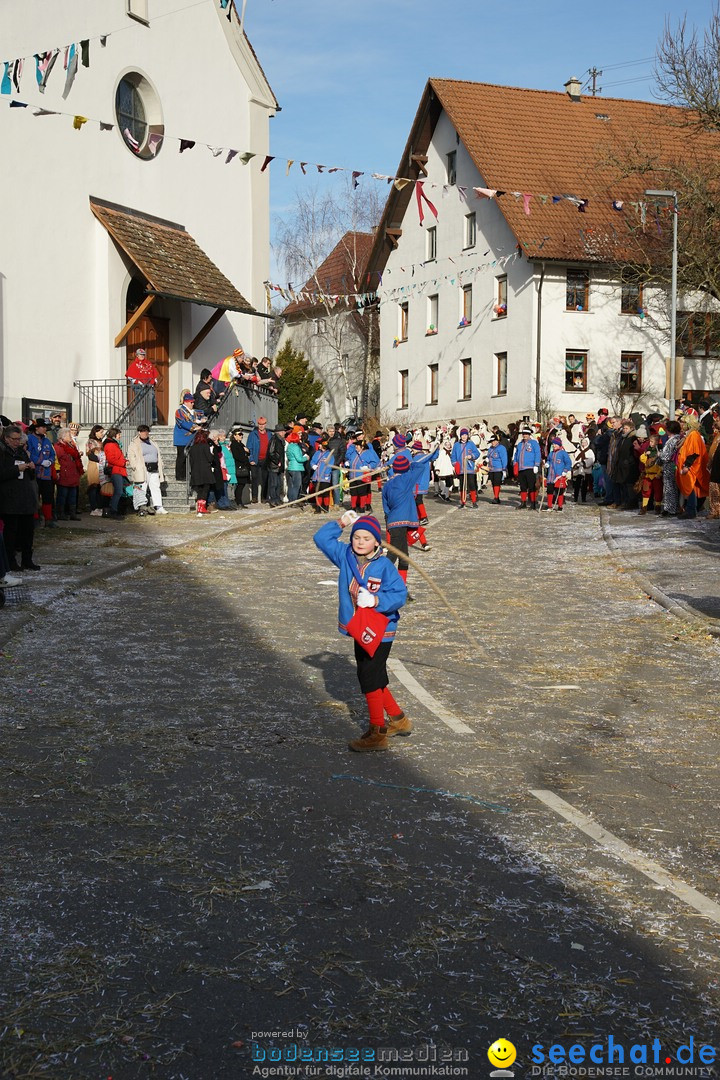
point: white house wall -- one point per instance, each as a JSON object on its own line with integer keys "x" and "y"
{"x": 310, "y": 336}
{"x": 493, "y": 255}
{"x": 62, "y": 277}
{"x": 602, "y": 330}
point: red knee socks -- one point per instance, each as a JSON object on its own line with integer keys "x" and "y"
{"x": 47, "y": 511}
{"x": 550, "y": 501}
{"x": 496, "y": 492}
{"x": 375, "y": 708}
{"x": 390, "y": 705}
{"x": 473, "y": 496}
{"x": 403, "y": 575}
{"x": 561, "y": 500}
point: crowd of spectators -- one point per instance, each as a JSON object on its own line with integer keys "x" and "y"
{"x": 641, "y": 463}
{"x": 652, "y": 463}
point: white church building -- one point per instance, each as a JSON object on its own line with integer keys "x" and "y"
{"x": 135, "y": 209}
{"x": 499, "y": 261}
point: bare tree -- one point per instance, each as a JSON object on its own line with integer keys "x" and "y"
{"x": 314, "y": 223}
{"x": 687, "y": 63}
{"x": 625, "y": 399}
{"x": 345, "y": 335}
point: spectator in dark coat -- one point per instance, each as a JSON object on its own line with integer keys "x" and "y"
{"x": 626, "y": 467}
{"x": 18, "y": 498}
{"x": 202, "y": 471}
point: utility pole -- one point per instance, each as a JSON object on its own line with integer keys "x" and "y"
{"x": 594, "y": 74}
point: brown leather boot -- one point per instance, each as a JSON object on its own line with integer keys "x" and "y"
{"x": 375, "y": 738}
{"x": 399, "y": 725}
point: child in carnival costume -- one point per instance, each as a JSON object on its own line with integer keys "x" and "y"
{"x": 368, "y": 580}
{"x": 464, "y": 457}
{"x": 497, "y": 463}
{"x": 322, "y": 464}
{"x": 559, "y": 471}
{"x": 362, "y": 462}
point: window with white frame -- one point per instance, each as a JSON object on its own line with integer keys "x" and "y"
{"x": 576, "y": 364}
{"x": 577, "y": 290}
{"x": 432, "y": 315}
{"x": 138, "y": 9}
{"x": 432, "y": 384}
{"x": 501, "y": 373}
{"x": 465, "y": 380}
{"x": 631, "y": 372}
{"x": 403, "y": 389}
{"x": 631, "y": 298}
{"x": 403, "y": 320}
{"x": 431, "y": 243}
{"x": 501, "y": 294}
{"x": 470, "y": 230}
{"x": 465, "y": 305}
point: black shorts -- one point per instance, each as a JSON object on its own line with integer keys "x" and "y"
{"x": 527, "y": 479}
{"x": 372, "y": 670}
{"x": 495, "y": 479}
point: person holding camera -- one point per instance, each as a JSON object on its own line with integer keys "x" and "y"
{"x": 146, "y": 465}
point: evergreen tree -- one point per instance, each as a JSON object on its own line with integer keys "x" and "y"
{"x": 299, "y": 392}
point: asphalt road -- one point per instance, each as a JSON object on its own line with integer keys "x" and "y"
{"x": 194, "y": 864}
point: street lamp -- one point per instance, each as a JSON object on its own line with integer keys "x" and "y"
{"x": 673, "y": 294}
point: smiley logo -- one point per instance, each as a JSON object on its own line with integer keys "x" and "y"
{"x": 502, "y": 1054}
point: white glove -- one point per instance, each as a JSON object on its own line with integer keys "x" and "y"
{"x": 348, "y": 517}
{"x": 365, "y": 598}
{"x": 535, "y": 469}
{"x": 46, "y": 463}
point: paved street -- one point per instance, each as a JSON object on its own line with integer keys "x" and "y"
{"x": 193, "y": 860}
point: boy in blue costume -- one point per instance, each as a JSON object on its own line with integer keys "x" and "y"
{"x": 559, "y": 471}
{"x": 497, "y": 463}
{"x": 368, "y": 579}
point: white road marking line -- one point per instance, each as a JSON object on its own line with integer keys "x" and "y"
{"x": 613, "y": 845}
{"x": 561, "y": 687}
{"x": 426, "y": 699}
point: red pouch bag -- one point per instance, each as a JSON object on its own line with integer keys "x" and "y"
{"x": 367, "y": 627}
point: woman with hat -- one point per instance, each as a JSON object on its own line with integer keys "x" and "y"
{"x": 186, "y": 424}
{"x": 241, "y": 461}
{"x": 42, "y": 455}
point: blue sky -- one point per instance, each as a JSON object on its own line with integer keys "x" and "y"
{"x": 349, "y": 76}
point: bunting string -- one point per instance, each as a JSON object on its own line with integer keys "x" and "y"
{"x": 230, "y": 154}
{"x": 72, "y": 57}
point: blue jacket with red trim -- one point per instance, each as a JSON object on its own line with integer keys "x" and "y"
{"x": 380, "y": 575}
{"x": 398, "y": 499}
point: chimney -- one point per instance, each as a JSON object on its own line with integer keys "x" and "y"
{"x": 573, "y": 87}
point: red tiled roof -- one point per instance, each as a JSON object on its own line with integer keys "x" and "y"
{"x": 544, "y": 143}
{"x": 342, "y": 272}
{"x": 173, "y": 263}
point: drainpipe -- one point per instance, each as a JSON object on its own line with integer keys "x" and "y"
{"x": 537, "y": 346}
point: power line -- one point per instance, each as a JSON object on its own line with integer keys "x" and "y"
{"x": 624, "y": 82}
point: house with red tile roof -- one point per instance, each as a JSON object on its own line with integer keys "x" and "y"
{"x": 500, "y": 257}
{"x": 333, "y": 319}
